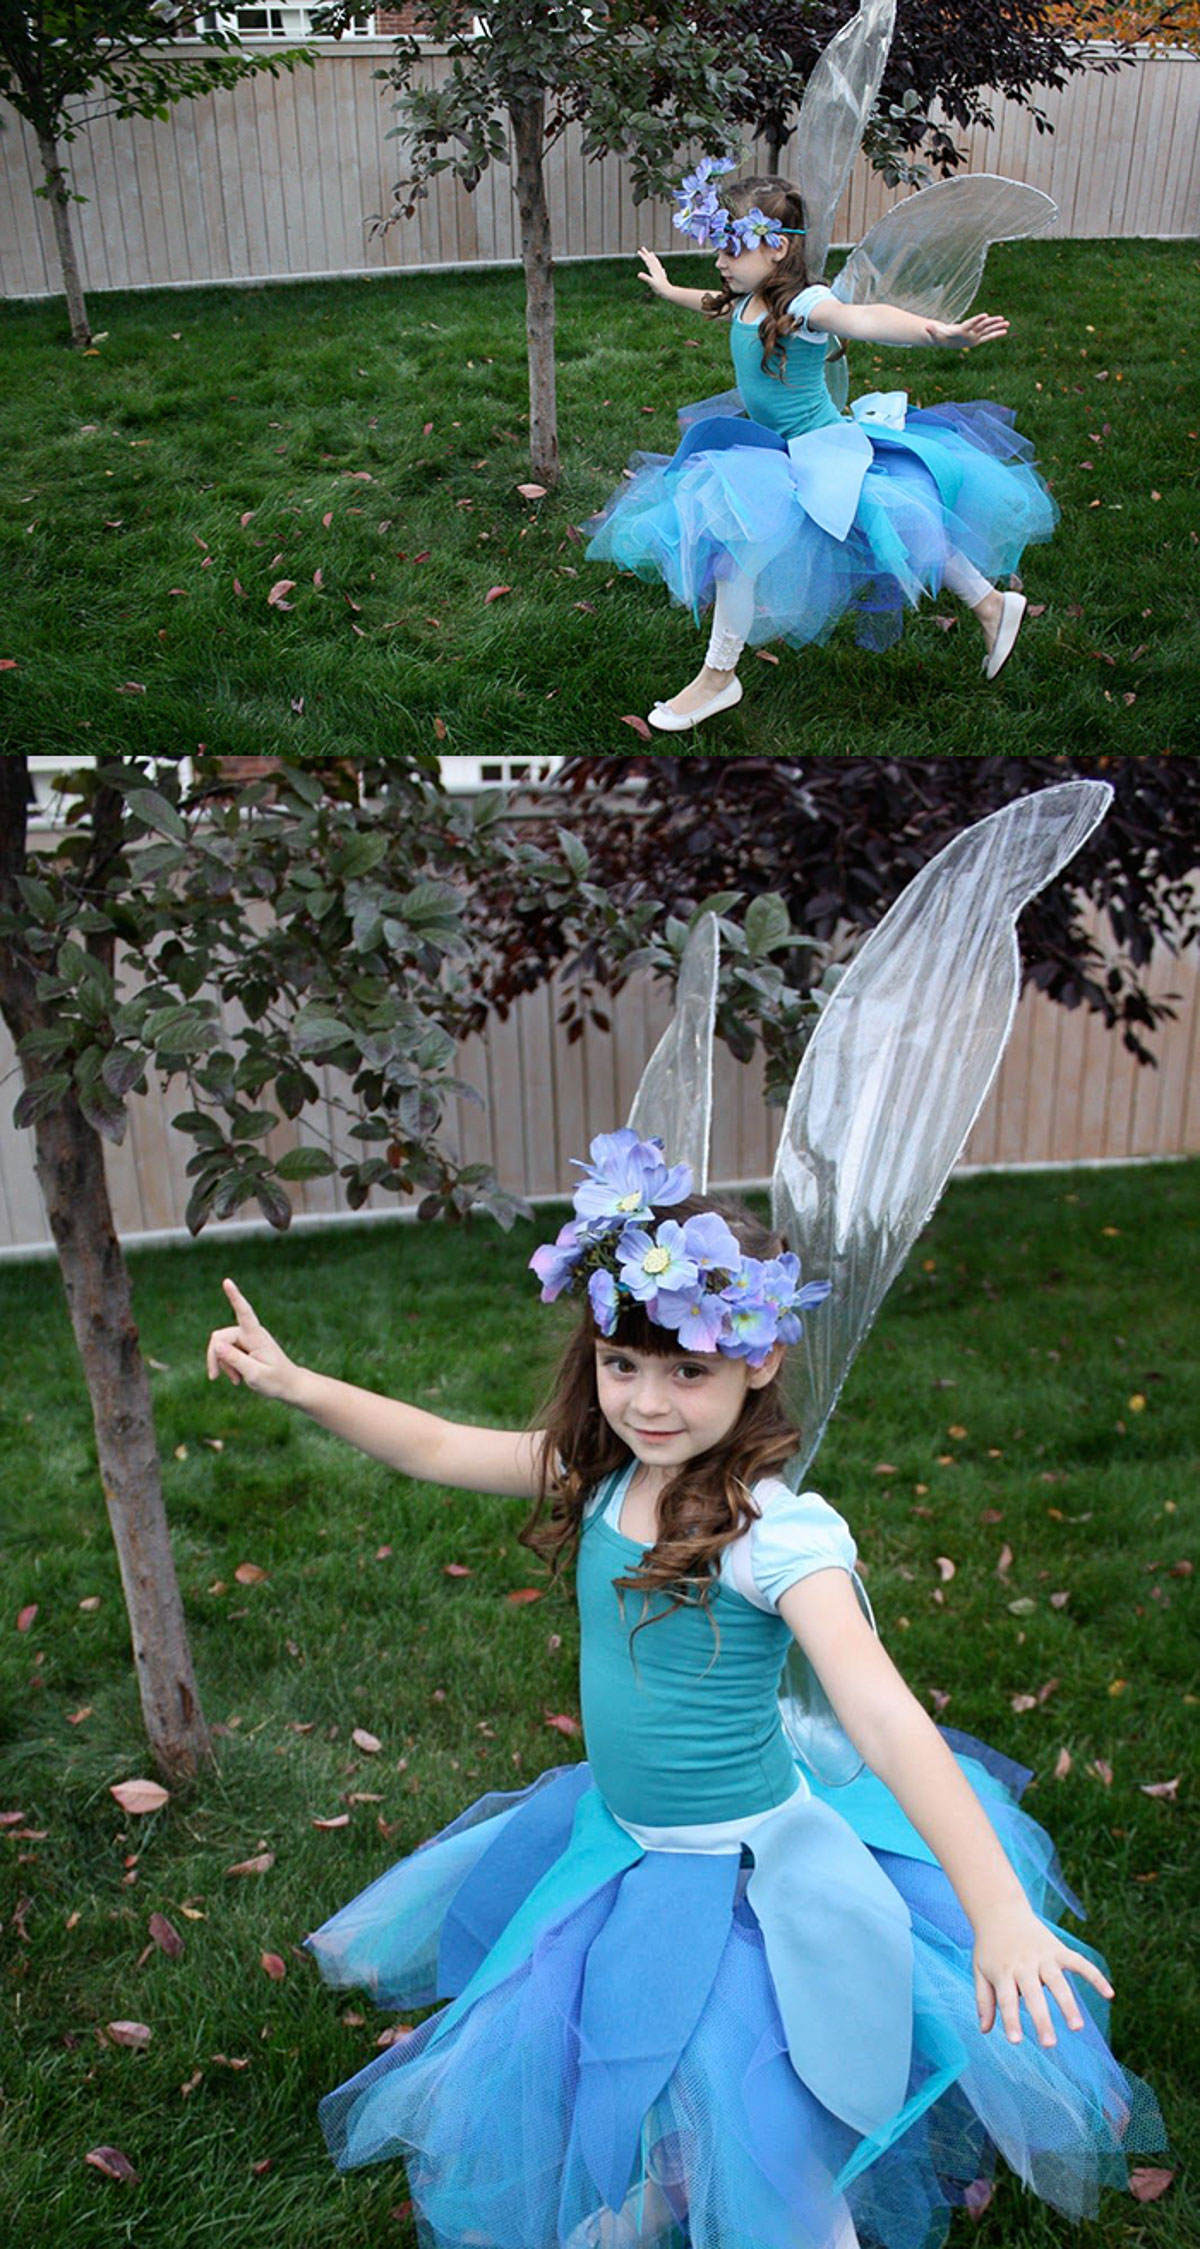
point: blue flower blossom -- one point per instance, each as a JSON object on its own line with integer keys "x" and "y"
{"x": 755, "y": 231}
{"x": 697, "y": 1317}
{"x": 625, "y": 1178}
{"x": 650, "y": 1262}
{"x": 712, "y": 1243}
{"x": 555, "y": 1261}
{"x": 604, "y": 1299}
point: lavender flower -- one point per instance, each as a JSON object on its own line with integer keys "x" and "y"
{"x": 555, "y": 1262}
{"x": 604, "y": 1298}
{"x": 625, "y": 1178}
{"x": 699, "y": 1319}
{"x": 650, "y": 1262}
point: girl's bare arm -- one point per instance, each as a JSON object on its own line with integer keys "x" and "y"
{"x": 414, "y": 1442}
{"x": 1016, "y": 1956}
{"x": 655, "y": 277}
{"x": 889, "y": 324}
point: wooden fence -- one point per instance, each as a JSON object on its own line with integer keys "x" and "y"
{"x": 1067, "y": 1092}
{"x": 276, "y": 179}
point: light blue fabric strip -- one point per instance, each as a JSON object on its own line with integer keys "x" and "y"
{"x": 828, "y": 467}
{"x": 598, "y": 1849}
{"x": 839, "y": 1947}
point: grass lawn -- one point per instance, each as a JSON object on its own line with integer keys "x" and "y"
{"x": 1031, "y": 1387}
{"x": 365, "y": 440}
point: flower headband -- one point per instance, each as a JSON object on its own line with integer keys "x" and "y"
{"x": 702, "y": 214}
{"x": 693, "y": 1280}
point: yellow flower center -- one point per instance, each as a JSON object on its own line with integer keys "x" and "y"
{"x": 656, "y": 1260}
{"x": 629, "y": 1202}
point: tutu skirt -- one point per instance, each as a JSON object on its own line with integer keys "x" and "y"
{"x": 737, "y": 498}
{"x": 613, "y": 2069}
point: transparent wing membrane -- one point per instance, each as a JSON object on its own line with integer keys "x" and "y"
{"x": 838, "y": 100}
{"x": 673, "y": 1102}
{"x": 927, "y": 254}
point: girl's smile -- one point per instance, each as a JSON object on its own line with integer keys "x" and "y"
{"x": 669, "y": 1409}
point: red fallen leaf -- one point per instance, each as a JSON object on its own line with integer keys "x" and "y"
{"x": 401, "y": 2211}
{"x": 357, "y": 629}
{"x": 113, "y": 2164}
{"x": 945, "y": 624}
{"x": 137, "y": 2035}
{"x": 9, "y": 664}
{"x": 1023, "y": 1702}
{"x": 239, "y": 588}
{"x": 455, "y": 1569}
{"x": 1146, "y": 2184}
{"x": 1005, "y": 1562}
{"x": 340, "y": 1819}
{"x": 166, "y": 1936}
{"x": 139, "y": 1796}
{"x": 1102, "y": 1770}
{"x": 11, "y": 1819}
{"x": 886, "y": 1468}
{"x": 562, "y": 1724}
{"x": 245, "y": 519}
{"x": 189, "y": 2084}
{"x": 639, "y": 725}
{"x": 1059, "y": 1600}
{"x": 273, "y": 1966}
{"x": 358, "y": 476}
{"x": 1062, "y": 1764}
{"x": 275, "y": 598}
{"x": 494, "y": 593}
{"x": 249, "y": 1573}
{"x": 1129, "y": 698}
{"x": 395, "y": 2035}
{"x": 1050, "y": 1688}
{"x": 318, "y": 579}
{"x": 423, "y": 557}
{"x": 261, "y": 1863}
{"x": 1182, "y": 1569}
{"x": 258, "y": 2170}
{"x": 938, "y": 1697}
{"x": 946, "y": 1568}
{"x": 232, "y": 2061}
{"x": 1167, "y": 1788}
{"x": 76, "y": 1717}
{"x": 523, "y": 1593}
{"x": 180, "y": 590}
{"x": 991, "y": 1515}
{"x": 766, "y": 656}
{"x": 26, "y": 1616}
{"x": 532, "y": 491}
{"x": 370, "y": 1744}
{"x": 356, "y": 606}
{"x": 1036, "y": 609}
{"x": 439, "y": 729}
{"x": 326, "y": 520}
{"x": 427, "y": 429}
{"x": 977, "y": 2196}
{"x": 131, "y": 687}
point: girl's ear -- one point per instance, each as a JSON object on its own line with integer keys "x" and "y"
{"x": 759, "y": 1377}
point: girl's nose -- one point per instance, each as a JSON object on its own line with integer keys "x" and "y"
{"x": 650, "y": 1393}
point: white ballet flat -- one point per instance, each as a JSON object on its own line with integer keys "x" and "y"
{"x": 1011, "y": 617}
{"x": 668, "y": 721}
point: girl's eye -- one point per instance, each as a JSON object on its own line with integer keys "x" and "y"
{"x": 693, "y": 1374}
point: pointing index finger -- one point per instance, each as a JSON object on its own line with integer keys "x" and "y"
{"x": 241, "y": 1304}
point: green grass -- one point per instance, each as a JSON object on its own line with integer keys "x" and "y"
{"x": 128, "y": 474}
{"x": 1033, "y": 1312}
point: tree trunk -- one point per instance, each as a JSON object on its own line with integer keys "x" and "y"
{"x": 59, "y": 195}
{"x": 529, "y": 128}
{"x": 70, "y": 1167}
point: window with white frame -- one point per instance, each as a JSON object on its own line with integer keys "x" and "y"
{"x": 278, "y": 19}
{"x": 462, "y": 775}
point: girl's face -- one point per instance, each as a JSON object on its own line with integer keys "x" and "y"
{"x": 669, "y": 1410}
{"x": 747, "y": 270}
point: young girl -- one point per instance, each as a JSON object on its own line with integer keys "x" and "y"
{"x": 695, "y": 1999}
{"x": 785, "y": 521}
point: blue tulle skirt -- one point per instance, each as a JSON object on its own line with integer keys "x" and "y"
{"x": 613, "y": 2069}
{"x": 735, "y": 498}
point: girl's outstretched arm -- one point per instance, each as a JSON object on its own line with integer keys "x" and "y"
{"x": 889, "y": 324}
{"x": 417, "y": 1443}
{"x": 1017, "y": 1957}
{"x": 655, "y": 277}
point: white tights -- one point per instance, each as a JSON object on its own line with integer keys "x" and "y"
{"x": 733, "y": 610}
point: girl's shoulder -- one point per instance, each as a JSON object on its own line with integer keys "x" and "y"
{"x": 800, "y": 306}
{"x": 795, "y": 1534}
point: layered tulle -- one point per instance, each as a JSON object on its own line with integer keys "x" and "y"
{"x": 613, "y": 2068}
{"x": 954, "y": 479}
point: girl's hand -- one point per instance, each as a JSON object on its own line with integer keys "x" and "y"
{"x": 1017, "y": 1957}
{"x": 246, "y": 1353}
{"x": 655, "y": 275}
{"x": 963, "y": 335}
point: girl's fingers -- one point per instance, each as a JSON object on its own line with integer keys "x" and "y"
{"x": 1009, "y": 2001}
{"x": 1056, "y": 1982}
{"x": 985, "y": 2001}
{"x": 1039, "y": 2013}
{"x": 1079, "y": 1966}
{"x": 248, "y": 1320}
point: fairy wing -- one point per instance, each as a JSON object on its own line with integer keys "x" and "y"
{"x": 890, "y": 1085}
{"x": 673, "y": 1102}
{"x": 838, "y": 100}
{"x": 927, "y": 254}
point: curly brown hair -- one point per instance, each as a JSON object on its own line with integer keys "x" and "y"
{"x": 776, "y": 199}
{"x": 708, "y": 1502}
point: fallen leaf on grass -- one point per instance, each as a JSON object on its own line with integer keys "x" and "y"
{"x": 766, "y": 656}
{"x": 9, "y": 664}
{"x": 136, "y": 2035}
{"x": 370, "y": 1744}
{"x": 1022, "y": 1702}
{"x": 166, "y": 1936}
{"x": 11, "y": 1819}
{"x": 1146, "y": 2184}
{"x": 1005, "y": 1562}
{"x": 455, "y": 1569}
{"x": 249, "y": 1573}
{"x": 92, "y": 1603}
{"x": 273, "y": 1966}
{"x": 494, "y": 593}
{"x": 76, "y": 1717}
{"x": 239, "y": 588}
{"x": 275, "y": 598}
{"x": 1062, "y": 1764}
{"x": 977, "y": 2196}
{"x": 523, "y": 1593}
{"x": 946, "y": 1568}
{"x": 318, "y": 579}
{"x": 140, "y": 1796}
{"x": 232, "y": 2061}
{"x": 1167, "y": 1788}
{"x": 261, "y": 1863}
{"x": 639, "y": 725}
{"x": 532, "y": 491}
{"x": 131, "y": 687}
{"x": 1101, "y": 1770}
{"x": 27, "y": 1616}
{"x": 340, "y": 1819}
{"x": 189, "y": 2084}
{"x": 395, "y": 2036}
{"x": 112, "y": 2163}
{"x": 563, "y": 1724}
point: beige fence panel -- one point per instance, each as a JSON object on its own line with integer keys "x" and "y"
{"x": 278, "y": 178}
{"x": 1066, "y": 1092}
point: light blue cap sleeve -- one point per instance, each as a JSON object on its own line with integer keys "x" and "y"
{"x": 801, "y": 306}
{"x": 796, "y": 1534}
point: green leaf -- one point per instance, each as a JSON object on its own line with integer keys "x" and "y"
{"x": 46, "y": 1042}
{"x": 358, "y": 855}
{"x": 253, "y": 1124}
{"x": 573, "y": 852}
{"x": 122, "y": 1067}
{"x": 305, "y": 1163}
{"x": 39, "y": 1099}
{"x": 38, "y": 897}
{"x": 155, "y": 812}
{"x": 274, "y": 1204}
{"x": 317, "y": 1032}
{"x": 767, "y": 923}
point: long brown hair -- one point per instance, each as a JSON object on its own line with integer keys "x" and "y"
{"x": 708, "y": 1502}
{"x": 776, "y": 199}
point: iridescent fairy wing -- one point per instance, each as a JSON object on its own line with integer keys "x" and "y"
{"x": 838, "y": 100}
{"x": 927, "y": 254}
{"x": 673, "y": 1102}
{"x": 890, "y": 1085}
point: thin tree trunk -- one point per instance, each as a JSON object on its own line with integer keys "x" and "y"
{"x": 70, "y": 1167}
{"x": 529, "y": 128}
{"x": 59, "y": 195}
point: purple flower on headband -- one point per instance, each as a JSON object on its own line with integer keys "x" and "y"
{"x": 699, "y": 1319}
{"x": 755, "y": 231}
{"x": 709, "y": 168}
{"x": 604, "y": 1300}
{"x": 555, "y": 1261}
{"x": 624, "y": 1179}
{"x": 650, "y": 1262}
{"x": 753, "y": 1329}
{"x": 711, "y": 1243}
